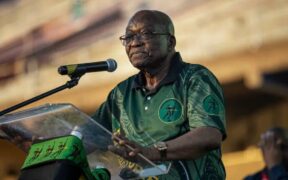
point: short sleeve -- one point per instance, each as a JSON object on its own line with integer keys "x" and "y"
{"x": 206, "y": 101}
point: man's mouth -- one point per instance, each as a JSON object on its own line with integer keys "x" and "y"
{"x": 137, "y": 53}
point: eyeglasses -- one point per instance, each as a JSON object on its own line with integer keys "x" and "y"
{"x": 142, "y": 36}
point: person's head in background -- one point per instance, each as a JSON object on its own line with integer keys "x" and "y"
{"x": 274, "y": 146}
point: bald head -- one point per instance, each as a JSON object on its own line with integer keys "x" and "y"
{"x": 149, "y": 40}
{"x": 156, "y": 17}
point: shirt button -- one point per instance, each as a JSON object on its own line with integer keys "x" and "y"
{"x": 149, "y": 97}
{"x": 146, "y": 108}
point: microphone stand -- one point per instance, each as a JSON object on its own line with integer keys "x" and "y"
{"x": 69, "y": 84}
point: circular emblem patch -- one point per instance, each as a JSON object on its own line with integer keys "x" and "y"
{"x": 211, "y": 105}
{"x": 170, "y": 110}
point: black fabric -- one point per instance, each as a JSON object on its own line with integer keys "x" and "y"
{"x": 277, "y": 172}
{"x": 56, "y": 170}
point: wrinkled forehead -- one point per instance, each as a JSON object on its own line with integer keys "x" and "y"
{"x": 143, "y": 20}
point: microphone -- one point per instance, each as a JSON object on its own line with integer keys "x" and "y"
{"x": 79, "y": 69}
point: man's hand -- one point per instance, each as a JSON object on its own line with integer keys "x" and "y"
{"x": 128, "y": 149}
{"x": 271, "y": 149}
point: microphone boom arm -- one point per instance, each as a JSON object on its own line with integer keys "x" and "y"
{"x": 69, "y": 84}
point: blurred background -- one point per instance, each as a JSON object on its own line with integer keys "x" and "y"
{"x": 244, "y": 42}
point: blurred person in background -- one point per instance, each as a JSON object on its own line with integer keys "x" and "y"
{"x": 274, "y": 147}
{"x": 171, "y": 110}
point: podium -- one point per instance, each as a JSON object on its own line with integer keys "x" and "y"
{"x": 54, "y": 133}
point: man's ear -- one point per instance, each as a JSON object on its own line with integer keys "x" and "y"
{"x": 172, "y": 42}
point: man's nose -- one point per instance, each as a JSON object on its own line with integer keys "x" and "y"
{"x": 136, "y": 41}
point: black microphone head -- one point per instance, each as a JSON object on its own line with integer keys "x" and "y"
{"x": 62, "y": 70}
{"x": 112, "y": 65}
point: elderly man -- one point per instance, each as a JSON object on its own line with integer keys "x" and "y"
{"x": 169, "y": 111}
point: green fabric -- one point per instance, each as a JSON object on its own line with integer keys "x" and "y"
{"x": 190, "y": 97}
{"x": 101, "y": 174}
{"x": 62, "y": 148}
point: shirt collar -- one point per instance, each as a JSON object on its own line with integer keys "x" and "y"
{"x": 174, "y": 70}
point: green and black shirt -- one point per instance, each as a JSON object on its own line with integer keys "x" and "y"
{"x": 189, "y": 97}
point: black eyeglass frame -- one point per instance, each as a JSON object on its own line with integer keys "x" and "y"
{"x": 125, "y": 37}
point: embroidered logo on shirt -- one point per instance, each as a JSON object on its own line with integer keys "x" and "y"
{"x": 170, "y": 110}
{"x": 211, "y": 105}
